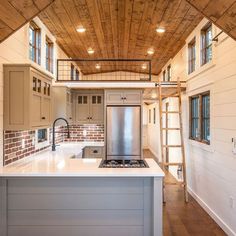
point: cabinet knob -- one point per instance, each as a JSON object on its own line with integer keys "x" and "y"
{"x": 43, "y": 118}
{"x": 70, "y": 118}
{"x": 88, "y": 118}
{"x": 124, "y": 98}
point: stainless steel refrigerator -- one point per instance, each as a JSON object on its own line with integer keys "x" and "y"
{"x": 123, "y": 132}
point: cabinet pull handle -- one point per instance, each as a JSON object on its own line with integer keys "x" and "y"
{"x": 43, "y": 118}
{"x": 124, "y": 98}
{"x": 88, "y": 118}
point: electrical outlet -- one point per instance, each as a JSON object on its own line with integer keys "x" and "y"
{"x": 231, "y": 202}
{"x": 84, "y": 132}
{"x": 23, "y": 143}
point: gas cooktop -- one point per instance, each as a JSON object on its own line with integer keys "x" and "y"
{"x": 123, "y": 164}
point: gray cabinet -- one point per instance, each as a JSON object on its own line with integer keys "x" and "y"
{"x": 119, "y": 97}
{"x": 89, "y": 108}
{"x": 63, "y": 103}
{"x": 27, "y": 98}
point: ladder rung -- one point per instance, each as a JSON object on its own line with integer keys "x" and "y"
{"x": 172, "y": 146}
{"x": 170, "y": 96}
{"x": 171, "y": 112}
{"x": 174, "y": 183}
{"x": 171, "y": 128}
{"x": 173, "y": 163}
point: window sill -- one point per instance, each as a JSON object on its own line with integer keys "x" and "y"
{"x": 201, "y": 70}
{"x": 204, "y": 146}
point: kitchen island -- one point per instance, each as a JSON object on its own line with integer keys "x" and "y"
{"x": 52, "y": 194}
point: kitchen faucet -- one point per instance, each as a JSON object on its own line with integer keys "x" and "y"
{"x": 53, "y": 132}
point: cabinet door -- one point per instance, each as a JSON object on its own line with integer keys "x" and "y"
{"x": 114, "y": 97}
{"x": 36, "y": 100}
{"x": 46, "y": 111}
{"x": 82, "y": 108}
{"x": 96, "y": 108}
{"x": 36, "y": 109}
{"x": 132, "y": 97}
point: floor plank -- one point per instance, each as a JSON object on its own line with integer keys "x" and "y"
{"x": 184, "y": 219}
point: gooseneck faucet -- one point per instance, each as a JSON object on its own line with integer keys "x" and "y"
{"x": 53, "y": 132}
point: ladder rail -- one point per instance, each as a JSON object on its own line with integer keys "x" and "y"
{"x": 165, "y": 146}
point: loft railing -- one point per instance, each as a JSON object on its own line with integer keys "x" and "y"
{"x": 74, "y": 70}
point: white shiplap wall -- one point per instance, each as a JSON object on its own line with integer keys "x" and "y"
{"x": 211, "y": 169}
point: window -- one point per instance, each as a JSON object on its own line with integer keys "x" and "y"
{"x": 76, "y": 74}
{"x": 49, "y": 55}
{"x": 191, "y": 56}
{"x": 34, "y": 43}
{"x": 149, "y": 116}
{"x": 200, "y": 117}
{"x": 154, "y": 115}
{"x": 42, "y": 138}
{"x": 72, "y": 68}
{"x": 164, "y": 75}
{"x": 168, "y": 73}
{"x": 206, "y": 44}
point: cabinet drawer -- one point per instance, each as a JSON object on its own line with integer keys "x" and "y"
{"x": 93, "y": 152}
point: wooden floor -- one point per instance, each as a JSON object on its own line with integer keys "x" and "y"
{"x": 184, "y": 219}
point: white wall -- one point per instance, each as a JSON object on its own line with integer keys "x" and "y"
{"x": 15, "y": 49}
{"x": 211, "y": 169}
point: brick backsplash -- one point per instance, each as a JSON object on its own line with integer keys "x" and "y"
{"x": 85, "y": 133}
{"x": 13, "y": 140}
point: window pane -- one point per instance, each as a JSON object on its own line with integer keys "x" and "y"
{"x": 195, "y": 117}
{"x": 206, "y": 117}
{"x": 80, "y": 99}
{"x": 94, "y": 99}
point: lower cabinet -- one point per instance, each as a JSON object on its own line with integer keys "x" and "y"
{"x": 89, "y": 108}
{"x": 27, "y": 97}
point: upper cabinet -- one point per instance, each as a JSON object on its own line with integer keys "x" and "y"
{"x": 89, "y": 107}
{"x": 122, "y": 97}
{"x": 27, "y": 98}
{"x": 63, "y": 103}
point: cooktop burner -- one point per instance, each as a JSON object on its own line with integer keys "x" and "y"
{"x": 123, "y": 164}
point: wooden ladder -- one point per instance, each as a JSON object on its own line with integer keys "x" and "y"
{"x": 165, "y": 146}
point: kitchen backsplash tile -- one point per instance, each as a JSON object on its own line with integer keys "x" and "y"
{"x": 14, "y": 150}
{"x": 86, "y": 133}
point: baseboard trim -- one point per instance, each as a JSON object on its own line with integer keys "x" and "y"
{"x": 213, "y": 215}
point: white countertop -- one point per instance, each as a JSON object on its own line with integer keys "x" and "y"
{"x": 60, "y": 164}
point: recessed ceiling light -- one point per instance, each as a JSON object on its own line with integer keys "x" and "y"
{"x": 150, "y": 51}
{"x": 144, "y": 66}
{"x": 81, "y": 29}
{"x": 97, "y": 66}
{"x": 160, "y": 30}
{"x": 90, "y": 51}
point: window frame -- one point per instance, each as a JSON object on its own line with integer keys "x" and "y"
{"x": 49, "y": 58}
{"x": 200, "y": 118}
{"x": 168, "y": 73}
{"x": 204, "y": 44}
{"x": 36, "y": 44}
{"x": 192, "y": 56}
{"x": 164, "y": 75}
{"x": 72, "y": 71}
{"x": 77, "y": 74}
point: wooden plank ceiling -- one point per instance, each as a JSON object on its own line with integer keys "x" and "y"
{"x": 15, "y": 13}
{"x": 121, "y": 28}
{"x": 221, "y": 12}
